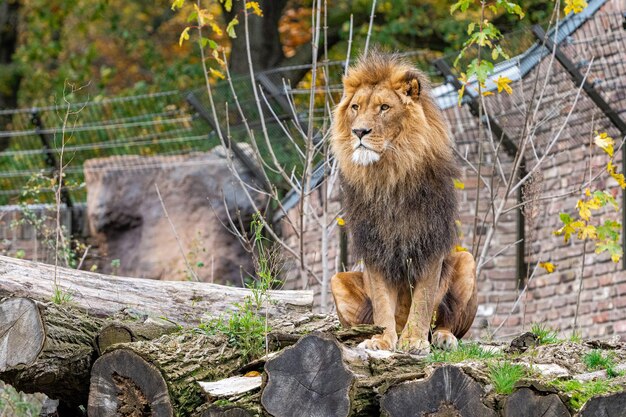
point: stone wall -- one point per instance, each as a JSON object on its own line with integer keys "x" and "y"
{"x": 550, "y": 298}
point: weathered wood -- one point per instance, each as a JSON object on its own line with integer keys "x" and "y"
{"x": 229, "y": 387}
{"x": 57, "y": 343}
{"x": 528, "y": 403}
{"x": 159, "y": 375}
{"x": 132, "y": 330}
{"x": 183, "y": 302}
{"x": 308, "y": 379}
{"x": 448, "y": 392}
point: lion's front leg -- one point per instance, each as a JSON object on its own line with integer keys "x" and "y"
{"x": 414, "y": 337}
{"x": 384, "y": 297}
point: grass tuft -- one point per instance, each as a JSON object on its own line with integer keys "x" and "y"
{"x": 597, "y": 359}
{"x": 545, "y": 335}
{"x": 465, "y": 351}
{"x": 581, "y": 392}
{"x": 505, "y": 375}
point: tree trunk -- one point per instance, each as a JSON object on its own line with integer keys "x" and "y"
{"x": 185, "y": 303}
{"x": 47, "y": 348}
{"x": 265, "y": 46}
{"x": 9, "y": 73}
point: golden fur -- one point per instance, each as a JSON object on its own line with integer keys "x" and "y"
{"x": 396, "y": 167}
{"x": 419, "y": 137}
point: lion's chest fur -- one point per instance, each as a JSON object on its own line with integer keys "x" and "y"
{"x": 402, "y": 231}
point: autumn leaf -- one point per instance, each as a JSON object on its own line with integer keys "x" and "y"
{"x": 459, "y": 248}
{"x": 458, "y": 184}
{"x": 585, "y": 207}
{"x": 548, "y": 266}
{"x": 256, "y": 9}
{"x": 575, "y": 6}
{"x": 487, "y": 93}
{"x": 610, "y": 168}
{"x": 503, "y": 84}
{"x": 228, "y": 5}
{"x": 177, "y": 4}
{"x": 230, "y": 29}
{"x": 216, "y": 28}
{"x": 252, "y": 374}
{"x": 587, "y": 231}
{"x": 341, "y": 221}
{"x": 605, "y": 142}
{"x": 184, "y": 36}
{"x": 217, "y": 74}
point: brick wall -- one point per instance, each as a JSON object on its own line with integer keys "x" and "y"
{"x": 550, "y": 298}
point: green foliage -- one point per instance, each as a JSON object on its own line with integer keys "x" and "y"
{"x": 597, "y": 359}
{"x": 43, "y": 222}
{"x": 505, "y": 375}
{"x": 16, "y": 404}
{"x": 605, "y": 235}
{"x": 581, "y": 392}
{"x": 61, "y": 296}
{"x": 465, "y": 351}
{"x": 246, "y": 328}
{"x": 545, "y": 334}
{"x": 576, "y": 337}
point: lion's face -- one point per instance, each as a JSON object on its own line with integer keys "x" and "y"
{"x": 375, "y": 116}
{"x": 386, "y": 126}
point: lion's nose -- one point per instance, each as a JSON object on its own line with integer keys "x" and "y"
{"x": 361, "y": 132}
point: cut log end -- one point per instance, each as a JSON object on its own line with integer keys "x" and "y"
{"x": 448, "y": 392}
{"x": 528, "y": 403}
{"x": 309, "y": 378}
{"x": 124, "y": 384}
{"x": 22, "y": 333}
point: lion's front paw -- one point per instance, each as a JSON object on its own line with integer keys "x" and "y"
{"x": 444, "y": 339}
{"x": 414, "y": 345}
{"x": 379, "y": 342}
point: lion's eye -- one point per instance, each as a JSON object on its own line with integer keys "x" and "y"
{"x": 355, "y": 107}
{"x": 384, "y": 107}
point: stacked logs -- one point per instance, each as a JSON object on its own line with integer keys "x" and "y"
{"x": 130, "y": 362}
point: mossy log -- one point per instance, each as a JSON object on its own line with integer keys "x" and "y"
{"x": 183, "y": 302}
{"x": 47, "y": 348}
{"x": 162, "y": 375}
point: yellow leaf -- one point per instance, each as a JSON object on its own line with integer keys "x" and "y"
{"x": 252, "y": 374}
{"x": 458, "y": 184}
{"x": 587, "y": 192}
{"x": 341, "y": 221}
{"x": 615, "y": 257}
{"x": 548, "y": 266}
{"x": 459, "y": 248}
{"x": 610, "y": 168}
{"x": 575, "y": 6}
{"x": 177, "y": 4}
{"x": 256, "y": 9}
{"x": 184, "y": 36}
{"x": 217, "y": 73}
{"x": 216, "y": 28}
{"x": 605, "y": 142}
{"x": 487, "y": 93}
{"x": 587, "y": 232}
{"x": 503, "y": 84}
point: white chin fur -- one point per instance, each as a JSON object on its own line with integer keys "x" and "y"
{"x": 364, "y": 157}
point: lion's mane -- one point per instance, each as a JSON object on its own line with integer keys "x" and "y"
{"x": 401, "y": 210}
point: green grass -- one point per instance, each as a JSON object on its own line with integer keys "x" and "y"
{"x": 581, "y": 392}
{"x": 465, "y": 351}
{"x": 545, "y": 335}
{"x": 597, "y": 359}
{"x": 504, "y": 376}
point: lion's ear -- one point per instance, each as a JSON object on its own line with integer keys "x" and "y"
{"x": 412, "y": 85}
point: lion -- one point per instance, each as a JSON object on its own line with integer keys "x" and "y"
{"x": 396, "y": 168}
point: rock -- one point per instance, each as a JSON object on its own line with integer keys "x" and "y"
{"x": 198, "y": 190}
{"x": 522, "y": 342}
